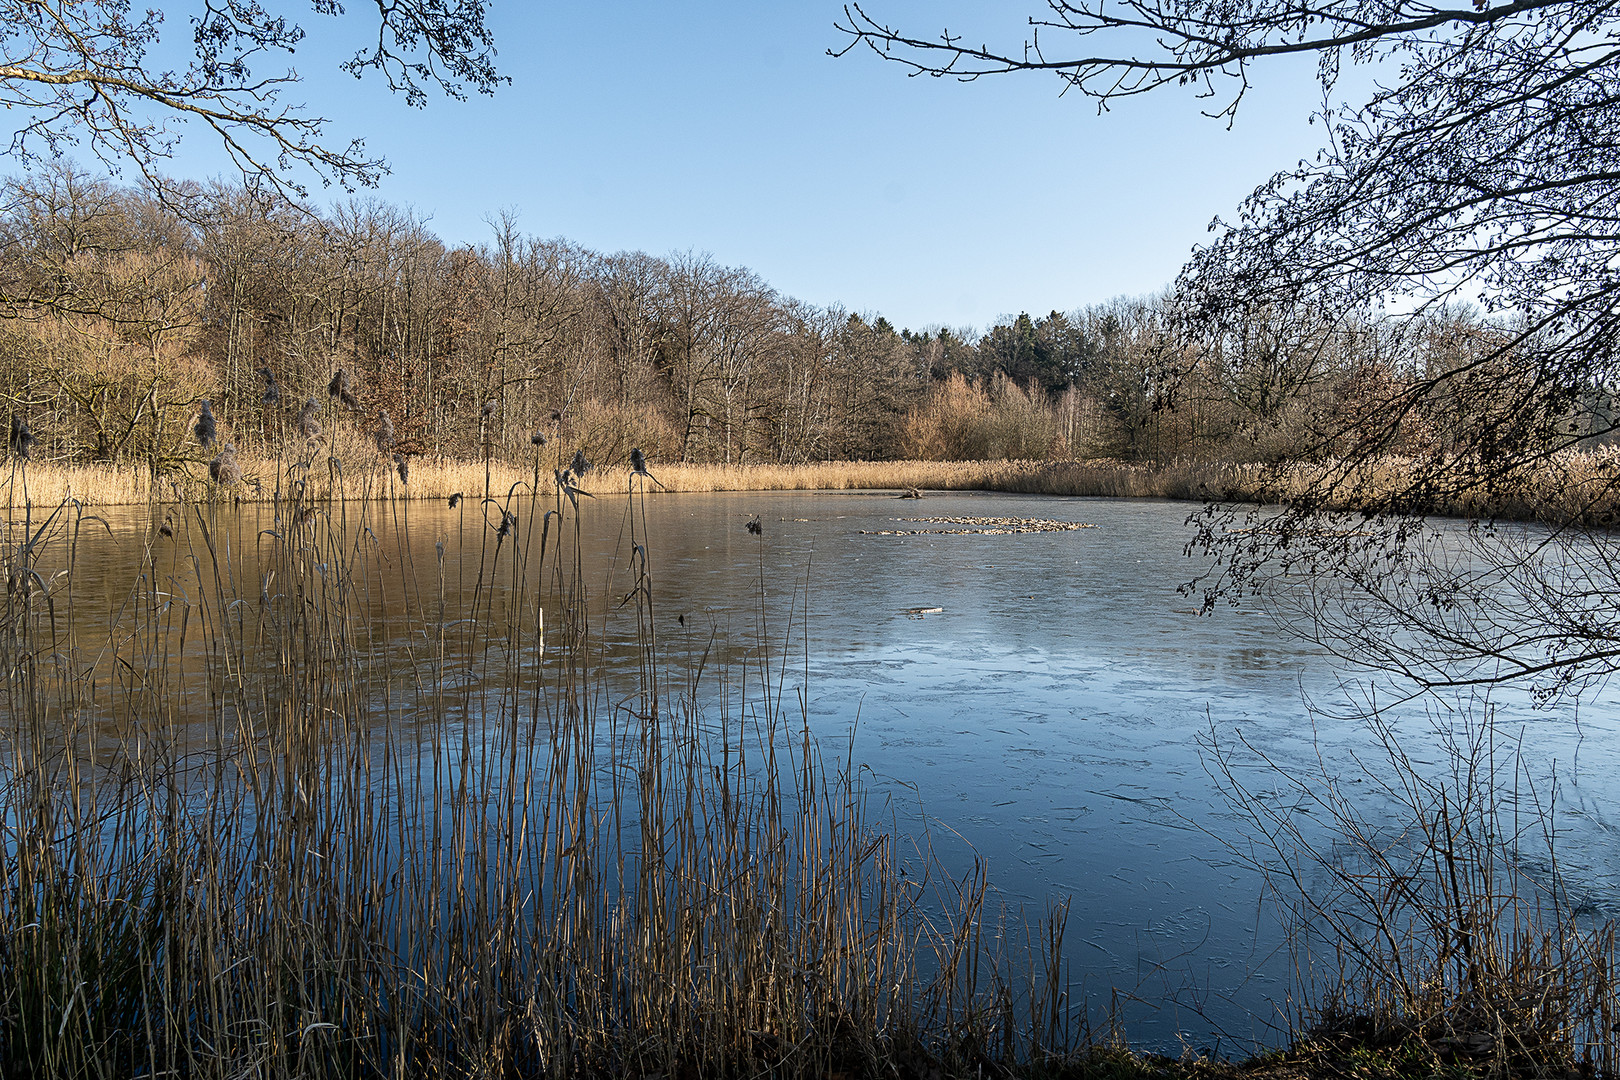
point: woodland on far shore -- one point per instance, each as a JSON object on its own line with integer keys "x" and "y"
{"x": 120, "y": 317}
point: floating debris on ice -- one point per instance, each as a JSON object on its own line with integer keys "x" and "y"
{"x": 981, "y": 526}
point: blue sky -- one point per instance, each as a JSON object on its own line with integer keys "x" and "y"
{"x": 724, "y": 127}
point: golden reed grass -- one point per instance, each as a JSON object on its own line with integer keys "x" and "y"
{"x": 312, "y": 801}
{"x": 439, "y": 478}
{"x": 1580, "y": 486}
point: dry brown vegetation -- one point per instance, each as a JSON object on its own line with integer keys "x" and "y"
{"x": 1573, "y": 486}
{"x": 1428, "y": 935}
{"x": 438, "y": 478}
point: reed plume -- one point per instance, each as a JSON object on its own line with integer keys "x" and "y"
{"x": 342, "y": 389}
{"x": 272, "y": 391}
{"x": 308, "y": 426}
{"x": 205, "y": 429}
{"x": 223, "y": 469}
{"x": 384, "y": 435}
{"x": 566, "y": 485}
{"x": 638, "y": 465}
{"x": 21, "y": 440}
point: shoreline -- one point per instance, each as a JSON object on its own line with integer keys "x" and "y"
{"x": 1574, "y": 487}
{"x": 438, "y": 478}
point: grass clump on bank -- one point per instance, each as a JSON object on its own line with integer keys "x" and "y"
{"x": 1433, "y": 933}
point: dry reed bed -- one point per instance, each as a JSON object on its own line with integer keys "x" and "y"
{"x": 1578, "y": 486}
{"x": 439, "y": 478}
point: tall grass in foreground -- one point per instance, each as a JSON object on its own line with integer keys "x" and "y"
{"x": 1431, "y": 923}
{"x": 300, "y": 814}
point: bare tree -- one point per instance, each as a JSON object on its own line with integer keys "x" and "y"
{"x": 81, "y": 74}
{"x": 691, "y": 320}
{"x": 804, "y": 419}
{"x": 625, "y": 298}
